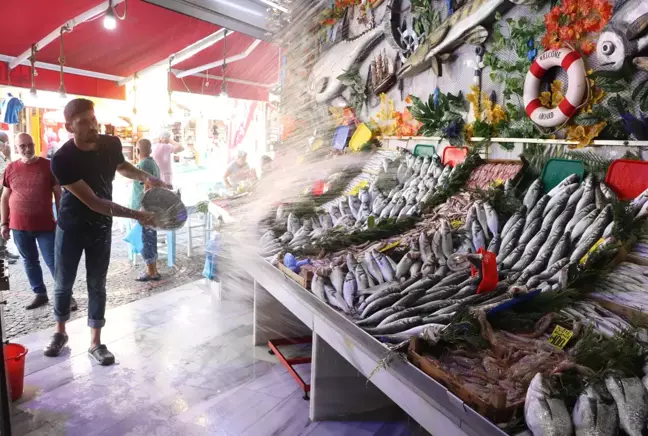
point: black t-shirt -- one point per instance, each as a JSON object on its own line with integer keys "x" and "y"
{"x": 97, "y": 168}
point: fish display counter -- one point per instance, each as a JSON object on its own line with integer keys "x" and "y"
{"x": 488, "y": 293}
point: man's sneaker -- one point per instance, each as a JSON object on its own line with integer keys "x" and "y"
{"x": 73, "y": 304}
{"x": 38, "y": 301}
{"x": 56, "y": 345}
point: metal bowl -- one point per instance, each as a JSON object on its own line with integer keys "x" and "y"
{"x": 170, "y": 212}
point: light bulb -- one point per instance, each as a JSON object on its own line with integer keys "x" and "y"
{"x": 33, "y": 92}
{"x": 109, "y": 21}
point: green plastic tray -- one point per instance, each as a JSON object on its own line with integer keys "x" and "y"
{"x": 424, "y": 150}
{"x": 556, "y": 170}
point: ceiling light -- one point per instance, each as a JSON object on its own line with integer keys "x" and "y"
{"x": 109, "y": 21}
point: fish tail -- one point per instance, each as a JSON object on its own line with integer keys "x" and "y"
{"x": 436, "y": 66}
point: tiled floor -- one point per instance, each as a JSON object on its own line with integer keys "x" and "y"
{"x": 185, "y": 366}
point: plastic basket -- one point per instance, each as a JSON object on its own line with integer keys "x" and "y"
{"x": 454, "y": 155}
{"x": 628, "y": 178}
{"x": 556, "y": 170}
{"x": 424, "y": 150}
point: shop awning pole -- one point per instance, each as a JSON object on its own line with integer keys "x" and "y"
{"x": 56, "y": 33}
{"x": 229, "y": 80}
{"x": 69, "y": 70}
{"x": 217, "y": 64}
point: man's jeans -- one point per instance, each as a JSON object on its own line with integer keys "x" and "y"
{"x": 69, "y": 246}
{"x": 149, "y": 242}
{"x": 26, "y": 244}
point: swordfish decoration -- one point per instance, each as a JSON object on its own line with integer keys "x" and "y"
{"x": 465, "y": 26}
{"x": 342, "y": 57}
{"x": 626, "y": 34}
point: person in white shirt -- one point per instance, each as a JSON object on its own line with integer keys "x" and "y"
{"x": 162, "y": 155}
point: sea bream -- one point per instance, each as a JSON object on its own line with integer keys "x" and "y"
{"x": 625, "y": 35}
{"x": 464, "y": 26}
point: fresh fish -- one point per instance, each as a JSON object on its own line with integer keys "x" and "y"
{"x": 425, "y": 247}
{"x": 337, "y": 278}
{"x": 395, "y": 338}
{"x": 569, "y": 180}
{"x": 437, "y": 240}
{"x": 494, "y": 244}
{"x": 326, "y": 221}
{"x": 600, "y": 223}
{"x": 379, "y": 316}
{"x": 545, "y": 415}
{"x": 579, "y": 216}
{"x": 580, "y": 228}
{"x": 336, "y": 299}
{"x": 372, "y": 268}
{"x": 533, "y": 194}
{"x": 531, "y": 230}
{"x": 510, "y": 239}
{"x": 599, "y": 199}
{"x": 424, "y": 283}
{"x": 293, "y": 223}
{"x": 400, "y": 204}
{"x": 514, "y": 219}
{"x": 317, "y": 287}
{"x": 350, "y": 289}
{"x": 576, "y": 196}
{"x": 361, "y": 278}
{"x": 470, "y": 217}
{"x": 384, "y": 265}
{"x": 561, "y": 197}
{"x": 380, "y": 303}
{"x": 623, "y": 36}
{"x": 481, "y": 217}
{"x": 354, "y": 205}
{"x": 396, "y": 326}
{"x": 562, "y": 248}
{"x": 403, "y": 267}
{"x": 595, "y": 413}
{"x": 588, "y": 193}
{"x": 632, "y": 403}
{"x": 538, "y": 210}
{"x": 415, "y": 268}
{"x": 531, "y": 250}
{"x": 478, "y": 237}
{"x": 364, "y": 196}
{"x": 513, "y": 257}
{"x": 351, "y": 263}
{"x": 446, "y": 239}
{"x": 492, "y": 219}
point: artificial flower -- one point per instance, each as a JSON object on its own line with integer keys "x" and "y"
{"x": 473, "y": 99}
{"x": 498, "y": 115}
{"x": 545, "y": 99}
{"x": 468, "y": 131}
{"x": 584, "y": 134}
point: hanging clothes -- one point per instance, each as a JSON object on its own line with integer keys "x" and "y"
{"x": 10, "y": 109}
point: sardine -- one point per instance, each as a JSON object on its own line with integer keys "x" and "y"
{"x": 545, "y": 415}
{"x": 533, "y": 194}
{"x": 478, "y": 237}
{"x": 632, "y": 403}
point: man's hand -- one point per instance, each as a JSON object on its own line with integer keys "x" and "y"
{"x": 154, "y": 182}
{"x": 146, "y": 219}
{"x": 5, "y": 232}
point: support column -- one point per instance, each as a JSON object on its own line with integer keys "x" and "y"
{"x": 339, "y": 392}
{"x": 272, "y": 320}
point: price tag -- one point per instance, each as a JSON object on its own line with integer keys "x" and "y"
{"x": 455, "y": 224}
{"x": 591, "y": 250}
{"x": 356, "y": 189}
{"x": 560, "y": 337}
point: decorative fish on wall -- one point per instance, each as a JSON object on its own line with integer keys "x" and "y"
{"x": 462, "y": 27}
{"x": 625, "y": 35}
{"x": 340, "y": 58}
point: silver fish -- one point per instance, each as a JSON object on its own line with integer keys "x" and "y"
{"x": 404, "y": 265}
{"x": 470, "y": 217}
{"x": 350, "y": 289}
{"x": 494, "y": 244}
{"x": 361, "y": 278}
{"x": 400, "y": 204}
{"x": 531, "y": 250}
{"x": 623, "y": 36}
{"x": 326, "y": 221}
{"x": 595, "y": 413}
{"x": 436, "y": 246}
{"x": 571, "y": 179}
{"x": 588, "y": 193}
{"x": 531, "y": 230}
{"x": 293, "y": 223}
{"x": 576, "y": 196}
{"x": 533, "y": 194}
{"x": 337, "y": 278}
{"x": 396, "y": 326}
{"x": 425, "y": 165}
{"x": 415, "y": 268}
{"x": 510, "y": 239}
{"x": 387, "y": 210}
{"x": 558, "y": 198}
{"x": 430, "y": 329}
{"x": 478, "y": 238}
{"x": 545, "y": 415}
{"x": 608, "y": 193}
{"x": 632, "y": 402}
{"x": 513, "y": 219}
{"x": 538, "y": 210}
{"x": 492, "y": 219}
{"x": 446, "y": 239}
{"x": 562, "y": 248}
{"x": 600, "y": 223}
{"x": 384, "y": 265}
{"x": 317, "y": 287}
{"x": 599, "y": 199}
{"x": 481, "y": 217}
{"x": 372, "y": 268}
{"x": 513, "y": 257}
{"x": 425, "y": 247}
{"x": 364, "y": 196}
{"x": 579, "y": 216}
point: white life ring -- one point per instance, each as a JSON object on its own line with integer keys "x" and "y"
{"x": 571, "y": 62}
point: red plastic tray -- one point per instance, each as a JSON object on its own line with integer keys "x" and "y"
{"x": 628, "y": 178}
{"x": 454, "y": 155}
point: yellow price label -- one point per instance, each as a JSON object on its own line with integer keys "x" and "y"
{"x": 455, "y": 224}
{"x": 497, "y": 182}
{"x": 358, "y": 187}
{"x": 390, "y": 246}
{"x": 591, "y": 250}
{"x": 560, "y": 337}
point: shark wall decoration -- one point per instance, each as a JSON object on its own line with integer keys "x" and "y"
{"x": 342, "y": 57}
{"x": 465, "y": 26}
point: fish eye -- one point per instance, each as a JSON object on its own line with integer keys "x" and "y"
{"x": 608, "y": 48}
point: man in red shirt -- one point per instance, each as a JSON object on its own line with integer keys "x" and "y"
{"x": 26, "y": 209}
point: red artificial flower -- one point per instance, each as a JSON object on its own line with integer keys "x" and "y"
{"x": 566, "y": 33}
{"x": 587, "y": 47}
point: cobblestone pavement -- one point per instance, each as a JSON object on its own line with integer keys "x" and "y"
{"x": 121, "y": 288}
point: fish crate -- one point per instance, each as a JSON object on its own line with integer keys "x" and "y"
{"x": 495, "y": 410}
{"x": 303, "y": 279}
{"x": 490, "y": 169}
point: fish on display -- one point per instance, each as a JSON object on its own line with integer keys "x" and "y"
{"x": 533, "y": 194}
{"x": 478, "y": 237}
{"x": 595, "y": 413}
{"x": 632, "y": 403}
{"x": 492, "y": 219}
{"x": 545, "y": 415}
{"x": 624, "y": 35}
{"x": 350, "y": 289}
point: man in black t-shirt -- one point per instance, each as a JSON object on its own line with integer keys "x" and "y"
{"x": 85, "y": 168}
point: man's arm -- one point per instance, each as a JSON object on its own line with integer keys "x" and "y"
{"x": 82, "y": 191}
{"x": 176, "y": 147}
{"x": 56, "y": 190}
{"x": 4, "y": 205}
{"x": 130, "y": 171}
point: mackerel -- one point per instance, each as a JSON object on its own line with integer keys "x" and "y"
{"x": 588, "y": 193}
{"x": 562, "y": 249}
{"x": 521, "y": 212}
{"x": 581, "y": 227}
{"x": 494, "y": 244}
{"x": 396, "y": 326}
{"x": 533, "y": 194}
{"x": 512, "y": 258}
{"x": 512, "y": 236}
{"x": 430, "y": 329}
{"x": 379, "y": 303}
{"x": 576, "y": 196}
{"x": 538, "y": 210}
{"x": 600, "y": 223}
{"x": 579, "y": 216}
{"x": 531, "y": 230}
{"x": 379, "y": 316}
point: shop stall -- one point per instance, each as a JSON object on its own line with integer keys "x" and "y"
{"x": 485, "y": 271}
